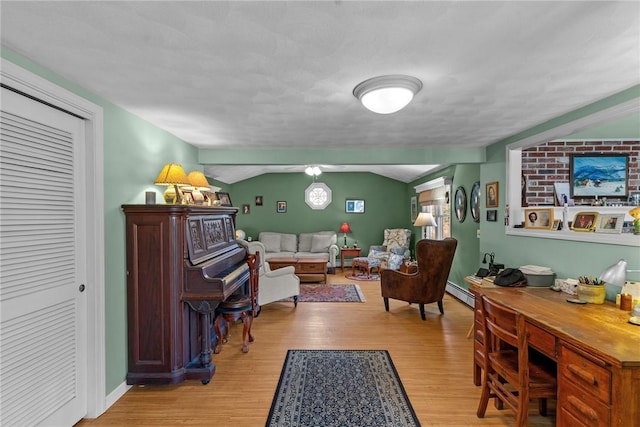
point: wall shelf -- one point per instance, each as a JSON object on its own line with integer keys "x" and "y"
{"x": 624, "y": 239}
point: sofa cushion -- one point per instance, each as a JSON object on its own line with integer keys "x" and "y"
{"x": 271, "y": 241}
{"x": 288, "y": 242}
{"x": 307, "y": 255}
{"x": 320, "y": 243}
{"x": 304, "y": 242}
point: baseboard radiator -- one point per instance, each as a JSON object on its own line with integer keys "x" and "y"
{"x": 460, "y": 293}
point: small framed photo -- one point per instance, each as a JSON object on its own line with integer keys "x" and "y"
{"x": 246, "y": 209}
{"x": 281, "y": 206}
{"x": 354, "y": 206}
{"x": 556, "y": 225}
{"x": 538, "y": 218}
{"x": 492, "y": 215}
{"x": 585, "y": 221}
{"x": 224, "y": 198}
{"x": 258, "y": 200}
{"x": 610, "y": 223}
{"x": 492, "y": 195}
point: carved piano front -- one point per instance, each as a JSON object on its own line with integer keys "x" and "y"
{"x": 182, "y": 261}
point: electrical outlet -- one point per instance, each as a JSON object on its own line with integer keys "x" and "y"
{"x": 478, "y": 233}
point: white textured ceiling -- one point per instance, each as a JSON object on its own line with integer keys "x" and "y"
{"x": 281, "y": 74}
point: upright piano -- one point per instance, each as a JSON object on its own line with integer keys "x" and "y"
{"x": 182, "y": 261}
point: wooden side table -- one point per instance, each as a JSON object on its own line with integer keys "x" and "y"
{"x": 348, "y": 252}
{"x": 409, "y": 267}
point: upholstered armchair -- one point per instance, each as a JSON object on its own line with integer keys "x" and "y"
{"x": 428, "y": 284}
{"x": 394, "y": 249}
{"x": 274, "y": 285}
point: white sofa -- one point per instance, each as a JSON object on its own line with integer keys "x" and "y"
{"x": 320, "y": 244}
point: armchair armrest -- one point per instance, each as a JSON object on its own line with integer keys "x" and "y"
{"x": 283, "y": 271}
{"x": 333, "y": 254}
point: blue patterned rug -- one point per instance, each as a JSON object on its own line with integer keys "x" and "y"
{"x": 346, "y": 388}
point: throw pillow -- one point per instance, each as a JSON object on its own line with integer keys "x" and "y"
{"x": 271, "y": 241}
{"x": 377, "y": 254}
{"x": 395, "y": 261}
{"x": 320, "y": 243}
{"x": 288, "y": 243}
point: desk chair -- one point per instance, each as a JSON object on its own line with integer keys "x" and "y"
{"x": 509, "y": 374}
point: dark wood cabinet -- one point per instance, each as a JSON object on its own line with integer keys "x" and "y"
{"x": 171, "y": 251}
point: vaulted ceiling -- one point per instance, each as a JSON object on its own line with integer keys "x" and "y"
{"x": 262, "y": 75}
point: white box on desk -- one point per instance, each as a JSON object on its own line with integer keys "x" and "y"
{"x": 568, "y": 286}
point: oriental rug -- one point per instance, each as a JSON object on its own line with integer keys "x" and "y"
{"x": 340, "y": 388}
{"x": 329, "y": 293}
{"x": 363, "y": 277}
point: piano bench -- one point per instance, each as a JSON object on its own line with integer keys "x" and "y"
{"x": 234, "y": 308}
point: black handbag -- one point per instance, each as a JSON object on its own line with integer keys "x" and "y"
{"x": 510, "y": 277}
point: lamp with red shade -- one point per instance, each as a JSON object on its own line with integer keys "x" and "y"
{"x": 345, "y": 228}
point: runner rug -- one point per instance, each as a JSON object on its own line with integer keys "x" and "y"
{"x": 340, "y": 388}
{"x": 330, "y": 293}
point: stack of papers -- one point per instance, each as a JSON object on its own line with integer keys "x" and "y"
{"x": 536, "y": 269}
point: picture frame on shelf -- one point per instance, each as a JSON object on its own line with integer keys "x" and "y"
{"x": 610, "y": 223}
{"x": 599, "y": 175}
{"x": 354, "y": 206}
{"x": 223, "y": 198}
{"x": 556, "y": 225}
{"x": 281, "y": 206}
{"x": 538, "y": 218}
{"x": 585, "y": 221}
{"x": 491, "y": 189}
{"x": 562, "y": 193}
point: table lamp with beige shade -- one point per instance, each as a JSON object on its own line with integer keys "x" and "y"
{"x": 173, "y": 176}
{"x": 424, "y": 220}
{"x": 200, "y": 186}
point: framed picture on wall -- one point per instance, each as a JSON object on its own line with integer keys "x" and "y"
{"x": 414, "y": 208}
{"x": 598, "y": 175}
{"x": 492, "y": 194}
{"x": 354, "y": 206}
{"x": 281, "y": 206}
{"x": 492, "y": 215}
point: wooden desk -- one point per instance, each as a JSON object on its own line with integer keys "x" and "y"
{"x": 348, "y": 252}
{"x": 597, "y": 351}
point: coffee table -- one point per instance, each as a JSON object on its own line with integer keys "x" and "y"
{"x": 306, "y": 268}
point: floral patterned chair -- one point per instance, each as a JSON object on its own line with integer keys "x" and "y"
{"x": 391, "y": 254}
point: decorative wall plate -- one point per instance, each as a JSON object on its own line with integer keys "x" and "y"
{"x": 460, "y": 204}
{"x": 474, "y": 202}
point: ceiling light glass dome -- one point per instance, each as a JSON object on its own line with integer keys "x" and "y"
{"x": 387, "y": 94}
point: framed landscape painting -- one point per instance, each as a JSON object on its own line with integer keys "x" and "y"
{"x": 598, "y": 175}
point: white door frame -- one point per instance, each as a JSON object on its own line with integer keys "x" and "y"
{"x": 20, "y": 79}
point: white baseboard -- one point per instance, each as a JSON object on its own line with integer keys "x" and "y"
{"x": 116, "y": 394}
{"x": 460, "y": 293}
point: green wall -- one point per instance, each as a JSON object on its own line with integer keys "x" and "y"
{"x": 135, "y": 151}
{"x": 386, "y": 205}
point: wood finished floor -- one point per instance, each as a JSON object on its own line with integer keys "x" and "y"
{"x": 433, "y": 359}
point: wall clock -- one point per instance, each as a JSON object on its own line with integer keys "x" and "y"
{"x": 474, "y": 202}
{"x": 460, "y": 204}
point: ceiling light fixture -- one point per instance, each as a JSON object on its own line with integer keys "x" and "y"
{"x": 387, "y": 94}
{"x": 312, "y": 171}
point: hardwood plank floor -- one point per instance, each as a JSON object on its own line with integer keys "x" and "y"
{"x": 433, "y": 359}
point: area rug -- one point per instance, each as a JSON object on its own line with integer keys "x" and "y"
{"x": 330, "y": 293}
{"x": 340, "y": 388}
{"x": 363, "y": 277}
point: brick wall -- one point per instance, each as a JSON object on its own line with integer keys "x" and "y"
{"x": 546, "y": 164}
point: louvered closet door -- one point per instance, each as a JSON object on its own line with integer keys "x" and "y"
{"x": 42, "y": 310}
